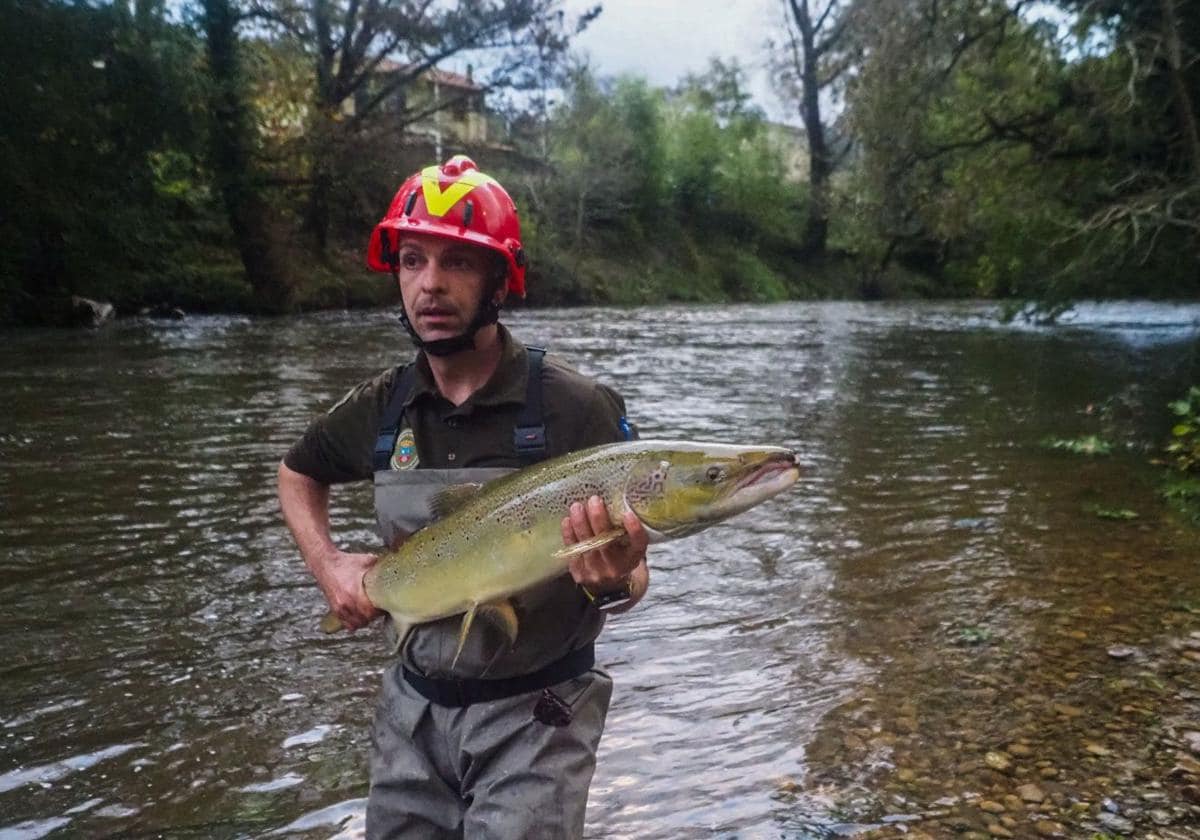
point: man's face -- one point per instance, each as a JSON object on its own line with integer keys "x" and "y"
{"x": 442, "y": 284}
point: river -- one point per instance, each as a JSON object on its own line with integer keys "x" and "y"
{"x": 933, "y": 634}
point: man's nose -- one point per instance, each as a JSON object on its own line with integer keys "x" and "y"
{"x": 433, "y": 278}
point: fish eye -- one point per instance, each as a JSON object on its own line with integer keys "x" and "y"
{"x": 714, "y": 473}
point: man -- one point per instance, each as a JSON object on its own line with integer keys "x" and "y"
{"x": 501, "y": 743}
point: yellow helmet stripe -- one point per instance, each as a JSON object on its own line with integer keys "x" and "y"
{"x": 438, "y": 201}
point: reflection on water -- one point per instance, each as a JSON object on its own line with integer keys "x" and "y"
{"x": 925, "y": 625}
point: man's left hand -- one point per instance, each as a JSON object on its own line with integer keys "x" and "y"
{"x": 609, "y": 568}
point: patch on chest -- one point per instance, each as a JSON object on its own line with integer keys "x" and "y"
{"x": 404, "y": 455}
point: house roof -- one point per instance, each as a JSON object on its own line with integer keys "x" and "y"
{"x": 442, "y": 77}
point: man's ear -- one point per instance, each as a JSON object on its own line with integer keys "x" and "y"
{"x": 501, "y": 294}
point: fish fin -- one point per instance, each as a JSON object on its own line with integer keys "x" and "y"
{"x": 503, "y": 615}
{"x": 451, "y": 498}
{"x": 331, "y": 623}
{"x": 401, "y": 630}
{"x": 599, "y": 541}
{"x": 468, "y": 617}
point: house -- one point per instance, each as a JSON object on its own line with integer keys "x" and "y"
{"x": 442, "y": 108}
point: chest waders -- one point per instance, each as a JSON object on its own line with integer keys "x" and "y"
{"x": 402, "y": 506}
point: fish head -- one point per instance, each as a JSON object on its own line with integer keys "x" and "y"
{"x": 683, "y": 488}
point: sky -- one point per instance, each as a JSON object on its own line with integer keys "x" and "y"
{"x": 663, "y": 40}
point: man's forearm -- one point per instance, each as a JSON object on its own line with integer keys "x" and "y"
{"x": 305, "y": 505}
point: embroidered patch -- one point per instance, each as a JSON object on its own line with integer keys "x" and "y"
{"x": 404, "y": 456}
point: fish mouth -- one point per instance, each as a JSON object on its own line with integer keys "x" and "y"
{"x": 776, "y": 465}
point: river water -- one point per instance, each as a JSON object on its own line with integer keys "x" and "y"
{"x": 932, "y": 623}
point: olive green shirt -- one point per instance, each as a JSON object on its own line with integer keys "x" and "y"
{"x": 577, "y": 411}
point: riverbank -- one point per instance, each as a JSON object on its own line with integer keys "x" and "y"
{"x": 209, "y": 279}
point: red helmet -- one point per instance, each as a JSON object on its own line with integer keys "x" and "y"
{"x": 455, "y": 201}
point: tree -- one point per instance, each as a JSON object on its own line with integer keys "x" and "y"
{"x": 94, "y": 97}
{"x": 819, "y": 54}
{"x": 1153, "y": 199}
{"x": 232, "y": 163}
{"x": 349, "y": 40}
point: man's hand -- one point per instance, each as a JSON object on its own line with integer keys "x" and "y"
{"x": 305, "y": 505}
{"x": 611, "y": 567}
{"x": 340, "y": 576}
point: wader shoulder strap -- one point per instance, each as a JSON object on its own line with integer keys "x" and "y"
{"x": 529, "y": 436}
{"x": 393, "y": 416}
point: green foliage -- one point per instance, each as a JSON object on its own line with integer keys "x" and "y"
{"x": 1183, "y": 451}
{"x": 1089, "y": 445}
{"x": 1181, "y": 489}
{"x": 989, "y": 155}
{"x": 1014, "y": 160}
{"x": 101, "y": 151}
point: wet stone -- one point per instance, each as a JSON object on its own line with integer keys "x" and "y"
{"x": 1158, "y": 816}
{"x": 991, "y": 807}
{"x": 1031, "y": 793}
{"x": 998, "y": 761}
{"x": 1068, "y": 711}
{"x": 1113, "y": 822}
{"x": 1049, "y": 828}
{"x": 1020, "y": 750}
{"x": 1184, "y": 766}
{"x": 997, "y": 830}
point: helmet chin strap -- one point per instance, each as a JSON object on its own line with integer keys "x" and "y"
{"x": 488, "y": 312}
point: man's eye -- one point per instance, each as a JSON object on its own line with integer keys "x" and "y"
{"x": 410, "y": 260}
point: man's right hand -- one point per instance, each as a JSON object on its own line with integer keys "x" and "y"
{"x": 340, "y": 576}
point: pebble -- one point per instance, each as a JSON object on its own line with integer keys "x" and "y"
{"x": 998, "y": 761}
{"x": 1097, "y": 749}
{"x": 991, "y": 807}
{"x": 1192, "y": 739}
{"x": 1185, "y": 766}
{"x": 997, "y": 830}
{"x": 904, "y": 774}
{"x": 1115, "y": 823}
{"x": 1048, "y": 773}
{"x": 1121, "y": 651}
{"x": 1049, "y": 828}
{"x": 1020, "y": 750}
{"x": 1160, "y": 817}
{"x": 1031, "y": 793}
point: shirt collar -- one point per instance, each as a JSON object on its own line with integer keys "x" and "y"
{"x": 506, "y": 385}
